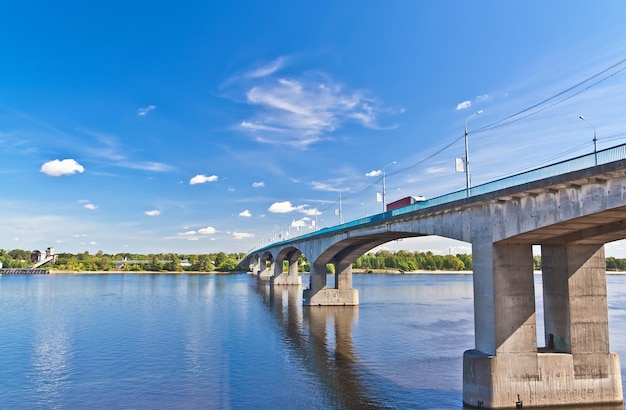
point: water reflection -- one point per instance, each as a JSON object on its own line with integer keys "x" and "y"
{"x": 52, "y": 350}
{"x": 321, "y": 338}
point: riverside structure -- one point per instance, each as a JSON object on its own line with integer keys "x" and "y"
{"x": 571, "y": 209}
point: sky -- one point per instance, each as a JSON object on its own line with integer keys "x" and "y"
{"x": 206, "y": 126}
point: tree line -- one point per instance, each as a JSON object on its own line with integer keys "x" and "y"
{"x": 162, "y": 262}
{"x": 227, "y": 262}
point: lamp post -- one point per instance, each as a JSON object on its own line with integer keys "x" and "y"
{"x": 468, "y": 183}
{"x": 384, "y": 185}
{"x": 364, "y": 206}
{"x": 340, "y": 210}
{"x": 595, "y": 140}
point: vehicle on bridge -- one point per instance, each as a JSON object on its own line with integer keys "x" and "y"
{"x": 401, "y": 203}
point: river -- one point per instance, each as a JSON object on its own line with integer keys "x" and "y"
{"x": 230, "y": 342}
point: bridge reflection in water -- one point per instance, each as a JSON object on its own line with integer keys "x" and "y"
{"x": 320, "y": 338}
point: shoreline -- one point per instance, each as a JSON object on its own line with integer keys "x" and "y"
{"x": 354, "y": 271}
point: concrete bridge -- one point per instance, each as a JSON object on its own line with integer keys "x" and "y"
{"x": 570, "y": 209}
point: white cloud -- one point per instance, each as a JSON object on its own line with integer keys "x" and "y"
{"x": 374, "y": 173}
{"x": 258, "y": 184}
{"x": 242, "y": 235}
{"x": 464, "y": 105}
{"x": 209, "y": 230}
{"x": 303, "y": 109}
{"x": 91, "y": 206}
{"x": 483, "y": 97}
{"x": 145, "y": 110}
{"x": 282, "y": 207}
{"x": 245, "y": 213}
{"x": 310, "y": 212}
{"x": 154, "y": 212}
{"x": 57, "y": 168}
{"x": 188, "y": 233}
{"x": 298, "y": 224}
{"x": 201, "y": 179}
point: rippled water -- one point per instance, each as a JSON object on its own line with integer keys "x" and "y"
{"x": 230, "y": 342}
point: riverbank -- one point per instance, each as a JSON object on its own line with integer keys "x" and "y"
{"x": 141, "y": 272}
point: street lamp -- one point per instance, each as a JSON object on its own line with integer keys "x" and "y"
{"x": 468, "y": 183}
{"x": 364, "y": 206}
{"x": 384, "y": 185}
{"x": 595, "y": 140}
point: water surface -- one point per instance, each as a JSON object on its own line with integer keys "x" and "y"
{"x": 231, "y": 342}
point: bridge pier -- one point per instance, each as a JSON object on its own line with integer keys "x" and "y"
{"x": 342, "y": 294}
{"x": 265, "y": 272}
{"x": 291, "y": 277}
{"x": 507, "y": 367}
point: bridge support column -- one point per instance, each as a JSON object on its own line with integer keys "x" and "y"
{"x": 577, "y": 322}
{"x": 255, "y": 267}
{"x": 506, "y": 368}
{"x": 265, "y": 272}
{"x": 343, "y": 294}
{"x": 291, "y": 277}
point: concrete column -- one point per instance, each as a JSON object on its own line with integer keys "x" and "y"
{"x": 556, "y": 298}
{"x": 576, "y": 310}
{"x": 256, "y": 267}
{"x": 342, "y": 295}
{"x": 291, "y": 277}
{"x": 266, "y": 272}
{"x": 504, "y": 363}
{"x": 343, "y": 275}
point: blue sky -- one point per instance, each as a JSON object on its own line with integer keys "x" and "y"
{"x": 203, "y": 126}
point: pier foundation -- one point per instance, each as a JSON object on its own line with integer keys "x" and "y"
{"x": 507, "y": 369}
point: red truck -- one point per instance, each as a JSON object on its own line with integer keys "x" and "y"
{"x": 409, "y": 200}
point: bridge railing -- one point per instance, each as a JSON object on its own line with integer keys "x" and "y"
{"x": 604, "y": 156}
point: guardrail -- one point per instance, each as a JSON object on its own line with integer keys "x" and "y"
{"x": 604, "y": 156}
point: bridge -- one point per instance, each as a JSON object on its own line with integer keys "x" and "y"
{"x": 571, "y": 209}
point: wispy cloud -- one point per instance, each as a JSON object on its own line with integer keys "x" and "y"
{"x": 268, "y": 69}
{"x": 58, "y": 168}
{"x": 258, "y": 184}
{"x": 154, "y": 212}
{"x": 242, "y": 235}
{"x": 143, "y": 111}
{"x": 300, "y": 110}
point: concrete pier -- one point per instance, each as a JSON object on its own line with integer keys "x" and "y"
{"x": 507, "y": 368}
{"x": 290, "y": 277}
{"x": 342, "y": 294}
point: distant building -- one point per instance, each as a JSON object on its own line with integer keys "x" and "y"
{"x": 38, "y": 258}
